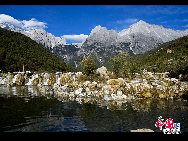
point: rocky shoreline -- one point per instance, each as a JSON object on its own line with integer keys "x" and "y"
{"x": 71, "y": 85}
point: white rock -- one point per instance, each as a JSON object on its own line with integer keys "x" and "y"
{"x": 86, "y": 83}
{"x": 106, "y": 92}
{"x": 119, "y": 93}
{"x": 107, "y": 97}
{"x": 95, "y": 83}
{"x": 142, "y": 130}
{"x": 124, "y": 96}
{"x": 78, "y": 91}
{"x": 102, "y": 71}
{"x": 87, "y": 89}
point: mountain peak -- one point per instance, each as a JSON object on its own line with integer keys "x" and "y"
{"x": 140, "y": 23}
{"x": 98, "y": 28}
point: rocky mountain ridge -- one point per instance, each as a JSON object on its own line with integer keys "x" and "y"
{"x": 103, "y": 43}
{"x": 137, "y": 39}
{"x": 39, "y": 35}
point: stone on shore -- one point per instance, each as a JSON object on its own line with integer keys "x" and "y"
{"x": 142, "y": 130}
{"x": 118, "y": 81}
{"x": 102, "y": 71}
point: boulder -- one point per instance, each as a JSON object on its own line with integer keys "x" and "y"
{"x": 118, "y": 81}
{"x": 106, "y": 87}
{"x": 86, "y": 83}
{"x": 102, "y": 71}
{"x": 142, "y": 130}
{"x": 78, "y": 74}
{"x": 119, "y": 93}
{"x": 36, "y": 81}
{"x": 147, "y": 94}
{"x": 107, "y": 97}
{"x": 78, "y": 91}
{"x": 106, "y": 92}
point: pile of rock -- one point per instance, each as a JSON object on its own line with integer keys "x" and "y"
{"x": 148, "y": 85}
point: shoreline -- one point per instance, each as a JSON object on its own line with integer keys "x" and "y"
{"x": 72, "y": 84}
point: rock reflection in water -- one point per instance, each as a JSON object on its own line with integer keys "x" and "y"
{"x": 46, "y": 114}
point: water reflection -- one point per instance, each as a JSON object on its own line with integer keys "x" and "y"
{"x": 26, "y": 109}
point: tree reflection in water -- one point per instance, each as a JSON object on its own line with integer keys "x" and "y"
{"x": 25, "y": 109}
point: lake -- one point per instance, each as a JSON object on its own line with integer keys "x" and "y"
{"x": 23, "y": 108}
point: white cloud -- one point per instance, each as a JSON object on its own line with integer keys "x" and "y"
{"x": 33, "y": 23}
{"x": 76, "y": 38}
{"x": 127, "y": 21}
{"x": 123, "y": 24}
{"x": 186, "y": 26}
{"x": 8, "y": 19}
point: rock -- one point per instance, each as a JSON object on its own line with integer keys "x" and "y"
{"x": 49, "y": 82}
{"x": 78, "y": 74}
{"x": 100, "y": 85}
{"x": 124, "y": 96}
{"x": 174, "y": 80}
{"x": 162, "y": 95}
{"x": 106, "y": 92}
{"x": 107, "y": 97}
{"x": 64, "y": 88}
{"x": 106, "y": 87}
{"x": 136, "y": 81}
{"x": 102, "y": 71}
{"x": 118, "y": 81}
{"x": 56, "y": 86}
{"x": 86, "y": 83}
{"x": 35, "y": 81}
{"x": 119, "y": 93}
{"x": 87, "y": 89}
{"x": 142, "y": 130}
{"x": 78, "y": 91}
{"x": 92, "y": 85}
{"x": 147, "y": 94}
{"x": 39, "y": 85}
{"x": 95, "y": 83}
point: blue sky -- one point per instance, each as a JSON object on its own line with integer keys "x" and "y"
{"x": 81, "y": 19}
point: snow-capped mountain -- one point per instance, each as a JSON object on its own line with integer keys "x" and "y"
{"x": 144, "y": 37}
{"x": 102, "y": 43}
{"x": 138, "y": 38}
{"x": 46, "y": 39}
{"x": 151, "y": 30}
{"x": 39, "y": 35}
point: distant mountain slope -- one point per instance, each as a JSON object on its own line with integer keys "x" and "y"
{"x": 102, "y": 43}
{"x": 16, "y": 49}
{"x": 39, "y": 35}
{"x": 139, "y": 38}
{"x": 169, "y": 57}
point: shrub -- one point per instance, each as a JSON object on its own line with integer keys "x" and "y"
{"x": 88, "y": 65}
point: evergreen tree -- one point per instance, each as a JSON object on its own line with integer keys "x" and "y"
{"x": 16, "y": 49}
{"x": 89, "y": 66}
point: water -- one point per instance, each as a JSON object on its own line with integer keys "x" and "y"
{"x": 25, "y": 109}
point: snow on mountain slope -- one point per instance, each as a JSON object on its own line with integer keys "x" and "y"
{"x": 39, "y": 35}
{"x": 151, "y": 30}
{"x": 102, "y": 43}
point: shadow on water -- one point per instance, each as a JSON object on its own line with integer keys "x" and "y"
{"x": 24, "y": 109}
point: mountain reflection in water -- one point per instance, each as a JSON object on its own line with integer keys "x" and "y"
{"x": 25, "y": 109}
